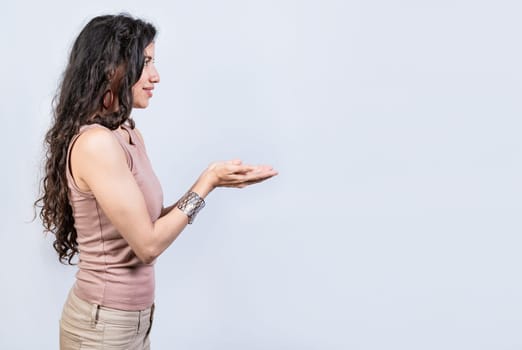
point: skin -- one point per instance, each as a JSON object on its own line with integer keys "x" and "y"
{"x": 142, "y": 90}
{"x": 98, "y": 165}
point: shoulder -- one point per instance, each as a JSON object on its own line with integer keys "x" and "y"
{"x": 95, "y": 138}
{"x": 94, "y": 154}
{"x": 99, "y": 143}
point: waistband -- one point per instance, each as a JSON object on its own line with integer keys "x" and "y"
{"x": 97, "y": 313}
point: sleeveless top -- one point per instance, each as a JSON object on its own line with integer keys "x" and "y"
{"x": 110, "y": 274}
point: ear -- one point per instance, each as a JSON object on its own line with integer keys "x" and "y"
{"x": 108, "y": 99}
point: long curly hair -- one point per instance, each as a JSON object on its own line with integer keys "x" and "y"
{"x": 106, "y": 60}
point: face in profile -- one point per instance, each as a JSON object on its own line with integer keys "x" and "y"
{"x": 142, "y": 90}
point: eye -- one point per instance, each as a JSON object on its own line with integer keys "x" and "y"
{"x": 148, "y": 60}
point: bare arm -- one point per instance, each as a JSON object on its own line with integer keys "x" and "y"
{"x": 166, "y": 210}
{"x": 99, "y": 162}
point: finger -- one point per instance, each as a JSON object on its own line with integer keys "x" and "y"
{"x": 261, "y": 174}
{"x": 253, "y": 182}
{"x": 263, "y": 168}
{"x": 238, "y": 178}
{"x": 235, "y": 161}
{"x": 234, "y": 179}
{"x": 246, "y": 183}
{"x": 239, "y": 169}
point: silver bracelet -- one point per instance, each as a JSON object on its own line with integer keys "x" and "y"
{"x": 191, "y": 203}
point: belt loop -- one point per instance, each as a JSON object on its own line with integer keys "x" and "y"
{"x": 94, "y": 315}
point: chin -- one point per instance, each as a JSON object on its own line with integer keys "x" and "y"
{"x": 141, "y": 105}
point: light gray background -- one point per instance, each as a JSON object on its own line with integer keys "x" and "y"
{"x": 395, "y": 125}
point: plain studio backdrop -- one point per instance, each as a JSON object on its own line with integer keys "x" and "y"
{"x": 395, "y": 126}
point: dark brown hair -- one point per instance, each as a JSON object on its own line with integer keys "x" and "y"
{"x": 106, "y": 58}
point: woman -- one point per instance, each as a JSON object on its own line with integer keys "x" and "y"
{"x": 101, "y": 198}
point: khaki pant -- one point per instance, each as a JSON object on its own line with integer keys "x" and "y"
{"x": 88, "y": 326}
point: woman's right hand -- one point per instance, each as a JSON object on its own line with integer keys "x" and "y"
{"x": 234, "y": 173}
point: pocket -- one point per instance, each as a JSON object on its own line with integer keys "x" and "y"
{"x": 69, "y": 340}
{"x": 119, "y": 336}
{"x": 80, "y": 336}
{"x": 151, "y": 319}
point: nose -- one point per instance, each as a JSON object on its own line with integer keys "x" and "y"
{"x": 154, "y": 75}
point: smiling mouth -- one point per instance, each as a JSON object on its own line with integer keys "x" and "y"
{"x": 149, "y": 92}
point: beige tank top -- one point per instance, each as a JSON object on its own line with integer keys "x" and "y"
{"x": 110, "y": 274}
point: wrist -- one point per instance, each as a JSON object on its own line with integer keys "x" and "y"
{"x": 205, "y": 184}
